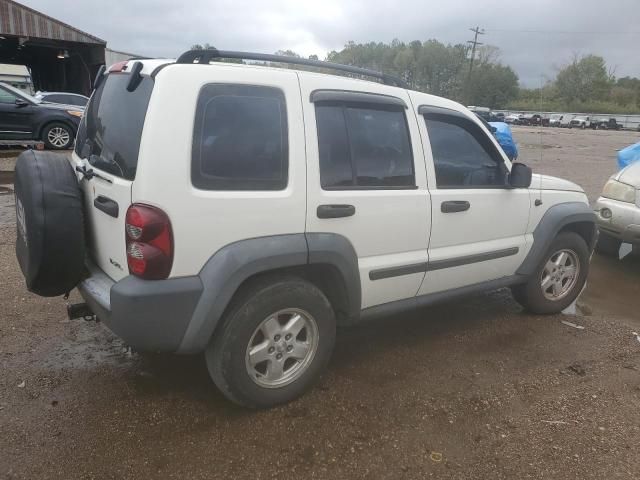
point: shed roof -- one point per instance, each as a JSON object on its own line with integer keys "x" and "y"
{"x": 20, "y": 20}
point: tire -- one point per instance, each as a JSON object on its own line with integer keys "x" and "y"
{"x": 608, "y": 245}
{"x": 247, "y": 383}
{"x": 583, "y": 126}
{"x": 58, "y": 136}
{"x": 534, "y": 298}
{"x": 50, "y": 223}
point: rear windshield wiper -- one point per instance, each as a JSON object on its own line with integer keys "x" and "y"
{"x": 109, "y": 165}
{"x": 89, "y": 173}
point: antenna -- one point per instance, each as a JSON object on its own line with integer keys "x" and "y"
{"x": 539, "y": 201}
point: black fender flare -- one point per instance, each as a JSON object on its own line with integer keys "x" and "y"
{"x": 233, "y": 264}
{"x": 555, "y": 219}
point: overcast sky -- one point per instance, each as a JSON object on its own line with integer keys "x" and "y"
{"x": 535, "y": 37}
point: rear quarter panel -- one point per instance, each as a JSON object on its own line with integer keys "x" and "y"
{"x": 204, "y": 221}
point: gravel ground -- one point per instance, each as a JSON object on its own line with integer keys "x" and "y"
{"x": 472, "y": 389}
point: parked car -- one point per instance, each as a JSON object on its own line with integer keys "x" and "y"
{"x": 555, "y": 120}
{"x": 482, "y": 112}
{"x": 514, "y": 119}
{"x": 63, "y": 98}
{"x": 496, "y": 117}
{"x": 618, "y": 211}
{"x": 23, "y": 117}
{"x": 609, "y": 124}
{"x": 262, "y": 207}
{"x": 580, "y": 122}
{"x": 535, "y": 120}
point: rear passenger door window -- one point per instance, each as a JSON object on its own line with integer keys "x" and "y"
{"x": 363, "y": 147}
{"x": 240, "y": 139}
{"x": 463, "y": 154}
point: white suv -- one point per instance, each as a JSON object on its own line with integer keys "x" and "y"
{"x": 246, "y": 211}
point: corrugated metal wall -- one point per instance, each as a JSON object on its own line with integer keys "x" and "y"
{"x": 22, "y": 21}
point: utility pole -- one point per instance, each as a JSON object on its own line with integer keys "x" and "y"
{"x": 477, "y": 31}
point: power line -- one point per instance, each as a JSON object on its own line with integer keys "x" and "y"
{"x": 561, "y": 32}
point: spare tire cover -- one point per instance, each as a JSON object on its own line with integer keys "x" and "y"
{"x": 50, "y": 223}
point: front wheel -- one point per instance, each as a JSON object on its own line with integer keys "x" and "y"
{"x": 275, "y": 342}
{"x": 559, "y": 278}
{"x": 57, "y": 136}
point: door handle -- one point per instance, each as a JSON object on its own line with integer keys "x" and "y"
{"x": 106, "y": 205}
{"x": 335, "y": 211}
{"x": 454, "y": 206}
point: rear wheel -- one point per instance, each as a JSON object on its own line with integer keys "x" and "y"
{"x": 57, "y": 136}
{"x": 275, "y": 342}
{"x": 559, "y": 278}
{"x": 608, "y": 245}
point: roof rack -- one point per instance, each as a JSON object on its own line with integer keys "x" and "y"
{"x": 205, "y": 56}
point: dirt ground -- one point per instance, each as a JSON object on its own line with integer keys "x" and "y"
{"x": 470, "y": 389}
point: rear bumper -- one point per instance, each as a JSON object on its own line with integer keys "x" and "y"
{"x": 148, "y": 315}
{"x": 624, "y": 223}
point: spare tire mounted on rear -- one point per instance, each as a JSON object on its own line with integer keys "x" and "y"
{"x": 50, "y": 223}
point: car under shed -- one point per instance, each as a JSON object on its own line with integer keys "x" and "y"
{"x": 59, "y": 56}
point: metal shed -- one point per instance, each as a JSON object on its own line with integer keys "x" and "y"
{"x": 60, "y": 57}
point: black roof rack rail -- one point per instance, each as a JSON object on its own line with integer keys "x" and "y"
{"x": 205, "y": 56}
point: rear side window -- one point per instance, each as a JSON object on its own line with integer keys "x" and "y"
{"x": 111, "y": 129}
{"x": 240, "y": 139}
{"x": 362, "y": 147}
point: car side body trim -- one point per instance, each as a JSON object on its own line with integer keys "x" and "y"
{"x": 441, "y": 264}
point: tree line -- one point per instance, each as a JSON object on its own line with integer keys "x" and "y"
{"x": 585, "y": 84}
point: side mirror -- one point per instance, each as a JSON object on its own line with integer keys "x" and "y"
{"x": 520, "y": 176}
{"x": 21, "y": 103}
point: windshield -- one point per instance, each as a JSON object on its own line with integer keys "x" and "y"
{"x": 21, "y": 93}
{"x": 110, "y": 131}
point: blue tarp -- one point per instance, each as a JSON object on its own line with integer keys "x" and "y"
{"x": 628, "y": 155}
{"x": 505, "y": 139}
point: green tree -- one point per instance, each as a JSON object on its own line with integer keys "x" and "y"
{"x": 492, "y": 85}
{"x": 585, "y": 79}
{"x": 206, "y": 46}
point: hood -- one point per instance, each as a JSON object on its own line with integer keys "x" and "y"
{"x": 630, "y": 175}
{"x": 60, "y": 106}
{"x": 547, "y": 182}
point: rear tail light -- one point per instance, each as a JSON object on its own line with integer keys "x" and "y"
{"x": 149, "y": 242}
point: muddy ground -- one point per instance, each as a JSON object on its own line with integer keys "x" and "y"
{"x": 470, "y": 389}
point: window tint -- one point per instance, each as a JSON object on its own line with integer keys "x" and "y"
{"x": 56, "y": 98}
{"x": 77, "y": 100}
{"x": 110, "y": 131}
{"x": 240, "y": 139}
{"x": 362, "y": 147}
{"x": 7, "y": 97}
{"x": 463, "y": 154}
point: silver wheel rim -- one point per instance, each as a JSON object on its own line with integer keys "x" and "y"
{"x": 282, "y": 348}
{"x": 560, "y": 274}
{"x": 58, "y": 137}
